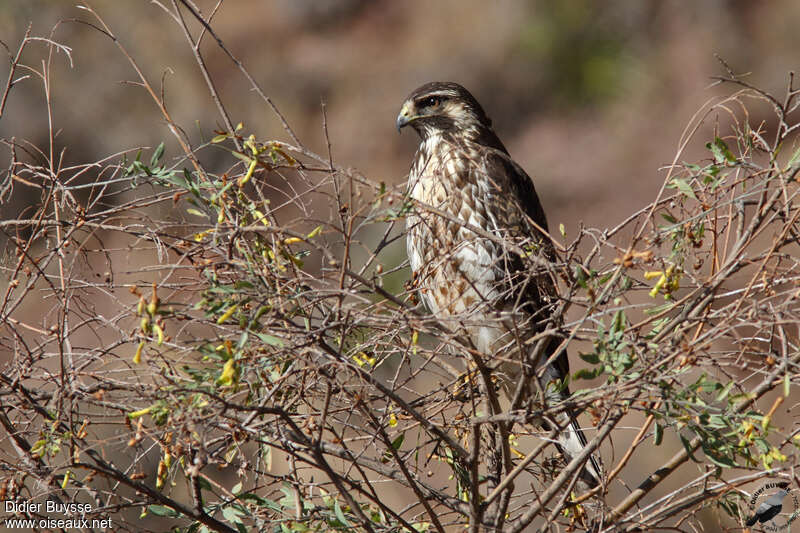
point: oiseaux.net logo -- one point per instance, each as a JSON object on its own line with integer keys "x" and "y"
{"x": 773, "y": 507}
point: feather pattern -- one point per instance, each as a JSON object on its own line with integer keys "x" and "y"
{"x": 463, "y": 177}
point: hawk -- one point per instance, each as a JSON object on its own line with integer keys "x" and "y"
{"x": 477, "y": 228}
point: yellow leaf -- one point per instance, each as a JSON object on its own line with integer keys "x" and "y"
{"x": 251, "y": 143}
{"x": 658, "y": 286}
{"x": 140, "y": 412}
{"x": 289, "y": 159}
{"x": 38, "y": 447}
{"x": 227, "y": 314}
{"x": 228, "y": 373}
{"x": 260, "y": 218}
{"x": 250, "y": 170}
{"x": 137, "y": 357}
{"x": 159, "y": 333}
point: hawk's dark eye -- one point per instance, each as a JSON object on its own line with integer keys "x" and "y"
{"x": 429, "y": 101}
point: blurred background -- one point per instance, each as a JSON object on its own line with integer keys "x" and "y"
{"x": 591, "y": 97}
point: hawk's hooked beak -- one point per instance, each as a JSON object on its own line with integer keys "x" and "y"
{"x": 404, "y": 118}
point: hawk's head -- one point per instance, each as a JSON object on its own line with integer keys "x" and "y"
{"x": 444, "y": 107}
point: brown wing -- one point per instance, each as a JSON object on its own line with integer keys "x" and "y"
{"x": 520, "y": 217}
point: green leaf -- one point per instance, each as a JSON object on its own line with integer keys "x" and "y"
{"x": 261, "y": 502}
{"x": 580, "y": 277}
{"x": 157, "y": 155}
{"x": 725, "y": 390}
{"x": 585, "y": 373}
{"x": 721, "y": 151}
{"x": 270, "y": 339}
{"x": 396, "y": 443}
{"x": 203, "y": 483}
{"x": 658, "y": 309}
{"x": 619, "y": 321}
{"x": 182, "y": 180}
{"x": 247, "y": 159}
{"x": 232, "y": 515}
{"x": 711, "y": 171}
{"x": 216, "y": 196}
{"x": 721, "y": 461}
{"x": 160, "y": 510}
{"x": 658, "y": 436}
{"x": 715, "y": 457}
{"x": 604, "y": 279}
{"x": 683, "y": 186}
{"x": 794, "y": 159}
{"x": 340, "y": 515}
{"x": 688, "y": 446}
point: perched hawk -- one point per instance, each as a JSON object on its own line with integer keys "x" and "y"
{"x": 477, "y": 214}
